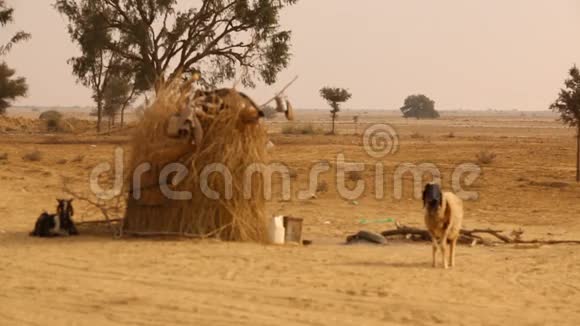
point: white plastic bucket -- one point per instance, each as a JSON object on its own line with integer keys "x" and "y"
{"x": 277, "y": 231}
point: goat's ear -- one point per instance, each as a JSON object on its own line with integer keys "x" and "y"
{"x": 423, "y": 197}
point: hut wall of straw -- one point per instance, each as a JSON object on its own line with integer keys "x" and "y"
{"x": 229, "y": 146}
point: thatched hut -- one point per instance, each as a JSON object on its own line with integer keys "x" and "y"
{"x": 229, "y": 146}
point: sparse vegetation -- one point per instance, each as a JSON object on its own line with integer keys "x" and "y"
{"x": 32, "y": 156}
{"x": 61, "y": 161}
{"x": 485, "y": 157}
{"x": 3, "y": 156}
{"x": 417, "y": 135}
{"x": 301, "y": 129}
{"x": 451, "y": 135}
{"x": 77, "y": 159}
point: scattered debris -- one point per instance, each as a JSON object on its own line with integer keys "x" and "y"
{"x": 471, "y": 237}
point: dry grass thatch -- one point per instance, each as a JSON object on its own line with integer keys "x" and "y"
{"x": 227, "y": 141}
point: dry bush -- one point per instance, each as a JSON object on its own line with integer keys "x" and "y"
{"x": 322, "y": 186}
{"x": 485, "y": 157}
{"x": 306, "y": 129}
{"x": 52, "y": 120}
{"x": 416, "y": 135}
{"x": 33, "y": 156}
{"x": 227, "y": 141}
{"x": 62, "y": 161}
{"x": 77, "y": 159}
{"x": 451, "y": 135}
{"x": 3, "y": 156}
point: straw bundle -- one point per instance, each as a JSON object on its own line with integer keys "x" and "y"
{"x": 227, "y": 141}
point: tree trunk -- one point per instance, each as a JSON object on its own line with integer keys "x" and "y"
{"x": 122, "y": 116}
{"x": 99, "y": 114}
{"x": 578, "y": 154}
{"x": 333, "y": 119}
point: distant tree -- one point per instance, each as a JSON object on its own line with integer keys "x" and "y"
{"x": 159, "y": 40}
{"x": 117, "y": 94}
{"x": 334, "y": 96}
{"x": 10, "y": 88}
{"x": 419, "y": 107}
{"x": 568, "y": 105}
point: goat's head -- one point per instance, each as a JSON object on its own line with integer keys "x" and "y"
{"x": 432, "y": 196}
{"x": 65, "y": 207}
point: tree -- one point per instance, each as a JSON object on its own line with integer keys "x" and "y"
{"x": 157, "y": 39}
{"x": 6, "y": 17}
{"x": 420, "y": 107}
{"x": 117, "y": 95}
{"x": 10, "y": 88}
{"x": 334, "y": 96}
{"x": 568, "y": 105}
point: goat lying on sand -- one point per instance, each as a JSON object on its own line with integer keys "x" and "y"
{"x": 443, "y": 218}
{"x": 61, "y": 223}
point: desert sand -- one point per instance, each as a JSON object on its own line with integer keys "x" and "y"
{"x": 94, "y": 279}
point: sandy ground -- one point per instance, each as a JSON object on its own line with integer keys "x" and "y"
{"x": 95, "y": 280}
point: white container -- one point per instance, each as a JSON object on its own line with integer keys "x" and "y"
{"x": 277, "y": 230}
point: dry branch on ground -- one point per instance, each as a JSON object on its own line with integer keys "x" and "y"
{"x": 471, "y": 237}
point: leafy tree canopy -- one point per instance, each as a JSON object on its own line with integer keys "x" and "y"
{"x": 156, "y": 39}
{"x": 420, "y": 107}
{"x": 568, "y": 102}
{"x": 334, "y": 96}
{"x": 10, "y": 87}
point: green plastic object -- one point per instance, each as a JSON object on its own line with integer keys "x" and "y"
{"x": 386, "y": 220}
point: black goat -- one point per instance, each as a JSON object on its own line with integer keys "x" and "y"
{"x": 61, "y": 223}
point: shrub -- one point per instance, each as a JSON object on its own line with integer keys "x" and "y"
{"x": 77, "y": 159}
{"x": 307, "y": 129}
{"x": 52, "y": 119}
{"x": 33, "y": 156}
{"x": 485, "y": 157}
{"x": 3, "y": 156}
{"x": 451, "y": 135}
{"x": 417, "y": 135}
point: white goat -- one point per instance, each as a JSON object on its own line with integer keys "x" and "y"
{"x": 443, "y": 218}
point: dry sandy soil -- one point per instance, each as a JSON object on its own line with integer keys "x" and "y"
{"x": 95, "y": 280}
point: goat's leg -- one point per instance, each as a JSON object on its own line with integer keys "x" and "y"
{"x": 452, "y": 252}
{"x": 444, "y": 252}
{"x": 435, "y": 245}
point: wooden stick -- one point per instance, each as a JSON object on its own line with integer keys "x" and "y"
{"x": 280, "y": 92}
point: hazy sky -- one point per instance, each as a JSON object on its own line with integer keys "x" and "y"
{"x": 477, "y": 54}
